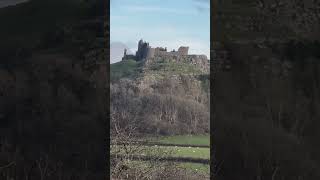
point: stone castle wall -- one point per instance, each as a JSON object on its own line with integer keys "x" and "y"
{"x": 150, "y": 52}
{"x": 182, "y": 51}
{"x": 165, "y": 53}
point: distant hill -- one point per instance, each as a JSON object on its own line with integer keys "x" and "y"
{"x": 116, "y": 51}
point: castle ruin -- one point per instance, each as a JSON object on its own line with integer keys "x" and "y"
{"x": 148, "y": 54}
{"x": 145, "y": 51}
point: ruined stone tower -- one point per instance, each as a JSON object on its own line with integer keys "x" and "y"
{"x": 125, "y": 53}
{"x": 150, "y": 52}
{"x": 143, "y": 48}
{"x": 183, "y": 50}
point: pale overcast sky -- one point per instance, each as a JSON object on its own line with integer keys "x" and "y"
{"x": 165, "y": 23}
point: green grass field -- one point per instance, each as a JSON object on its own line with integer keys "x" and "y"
{"x": 192, "y": 152}
{"x": 196, "y": 167}
{"x": 186, "y": 139}
{"x": 176, "y": 151}
{"x": 192, "y": 167}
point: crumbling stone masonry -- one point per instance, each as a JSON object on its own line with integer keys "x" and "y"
{"x": 148, "y": 54}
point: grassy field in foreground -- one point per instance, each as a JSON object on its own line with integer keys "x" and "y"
{"x": 176, "y": 151}
{"x": 195, "y": 167}
{"x": 186, "y": 139}
{"x": 191, "y": 152}
{"x": 192, "y": 167}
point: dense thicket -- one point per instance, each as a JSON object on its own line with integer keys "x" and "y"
{"x": 158, "y": 113}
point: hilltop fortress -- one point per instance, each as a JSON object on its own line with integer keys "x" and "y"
{"x": 145, "y": 51}
{"x": 148, "y": 54}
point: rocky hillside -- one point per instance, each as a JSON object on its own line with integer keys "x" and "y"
{"x": 167, "y": 76}
{"x": 174, "y": 85}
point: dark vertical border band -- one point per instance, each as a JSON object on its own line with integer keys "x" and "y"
{"x": 213, "y": 12}
{"x": 107, "y": 52}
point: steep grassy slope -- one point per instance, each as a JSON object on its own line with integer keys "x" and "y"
{"x": 161, "y": 69}
{"x": 164, "y": 77}
{"x": 124, "y": 69}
